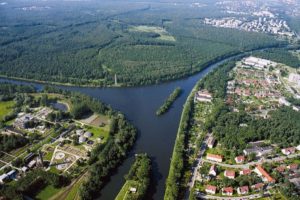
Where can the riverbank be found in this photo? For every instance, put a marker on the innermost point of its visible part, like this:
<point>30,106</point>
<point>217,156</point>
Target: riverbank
<point>196,69</point>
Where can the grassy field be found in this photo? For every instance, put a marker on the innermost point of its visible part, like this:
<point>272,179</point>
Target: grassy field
<point>99,132</point>
<point>124,192</point>
<point>164,35</point>
<point>47,192</point>
<point>6,108</point>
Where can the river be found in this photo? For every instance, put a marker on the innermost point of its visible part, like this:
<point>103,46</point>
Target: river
<point>156,134</point>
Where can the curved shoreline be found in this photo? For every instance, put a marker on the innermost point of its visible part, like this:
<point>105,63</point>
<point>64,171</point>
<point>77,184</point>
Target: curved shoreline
<point>198,70</point>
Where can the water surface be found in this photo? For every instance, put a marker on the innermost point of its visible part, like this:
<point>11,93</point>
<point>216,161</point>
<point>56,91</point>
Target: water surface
<point>156,134</point>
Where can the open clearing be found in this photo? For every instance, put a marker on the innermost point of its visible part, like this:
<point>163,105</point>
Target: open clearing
<point>95,120</point>
<point>164,35</point>
<point>5,108</point>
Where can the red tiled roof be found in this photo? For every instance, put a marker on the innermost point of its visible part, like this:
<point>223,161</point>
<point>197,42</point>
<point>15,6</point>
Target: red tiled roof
<point>229,173</point>
<point>293,166</point>
<point>240,158</point>
<point>211,187</point>
<point>227,190</point>
<point>280,168</point>
<point>265,174</point>
<point>214,156</point>
<point>258,186</point>
<point>246,171</point>
<point>244,189</point>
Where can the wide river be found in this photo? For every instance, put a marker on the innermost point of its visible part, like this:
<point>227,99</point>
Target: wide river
<point>156,134</point>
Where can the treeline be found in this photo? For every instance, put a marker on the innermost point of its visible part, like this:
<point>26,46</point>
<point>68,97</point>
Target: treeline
<point>280,56</point>
<point>140,173</point>
<point>10,142</point>
<point>169,101</point>
<point>173,183</point>
<point>31,184</point>
<point>105,159</point>
<point>218,88</point>
<point>8,91</point>
<point>82,104</point>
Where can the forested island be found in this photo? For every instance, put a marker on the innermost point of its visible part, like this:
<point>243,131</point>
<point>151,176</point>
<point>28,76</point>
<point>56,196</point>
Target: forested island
<point>169,102</point>
<point>137,180</point>
<point>56,143</point>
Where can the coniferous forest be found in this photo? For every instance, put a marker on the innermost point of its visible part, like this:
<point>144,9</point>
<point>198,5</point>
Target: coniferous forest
<point>91,44</point>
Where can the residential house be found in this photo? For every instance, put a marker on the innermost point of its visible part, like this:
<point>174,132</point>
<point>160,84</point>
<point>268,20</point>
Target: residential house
<point>293,166</point>
<point>239,159</point>
<point>228,191</point>
<point>265,176</point>
<point>243,190</point>
<point>229,174</point>
<point>211,189</point>
<point>214,157</point>
<point>245,172</point>
<point>258,186</point>
<point>281,168</point>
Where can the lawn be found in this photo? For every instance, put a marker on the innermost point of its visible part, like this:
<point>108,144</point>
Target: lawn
<point>98,131</point>
<point>124,192</point>
<point>5,108</point>
<point>47,192</point>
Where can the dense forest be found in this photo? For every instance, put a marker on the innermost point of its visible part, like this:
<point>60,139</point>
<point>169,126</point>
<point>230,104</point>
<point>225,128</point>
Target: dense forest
<point>281,128</point>
<point>280,56</point>
<point>89,46</point>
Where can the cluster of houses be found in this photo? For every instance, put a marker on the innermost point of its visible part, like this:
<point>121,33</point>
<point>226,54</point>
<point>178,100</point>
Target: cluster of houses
<point>243,190</point>
<point>252,77</point>
<point>258,148</point>
<point>229,191</point>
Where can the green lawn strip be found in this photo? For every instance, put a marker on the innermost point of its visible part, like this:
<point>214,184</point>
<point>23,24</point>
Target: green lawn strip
<point>124,192</point>
<point>47,192</point>
<point>98,132</point>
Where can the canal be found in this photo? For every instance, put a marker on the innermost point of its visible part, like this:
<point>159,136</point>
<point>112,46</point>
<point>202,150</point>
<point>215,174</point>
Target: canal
<point>156,134</point>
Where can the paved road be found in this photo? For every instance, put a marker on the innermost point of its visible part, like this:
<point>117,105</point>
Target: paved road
<point>247,165</point>
<point>198,165</point>
<point>227,165</point>
<point>204,196</point>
